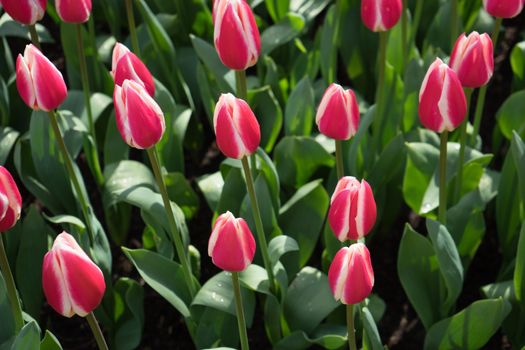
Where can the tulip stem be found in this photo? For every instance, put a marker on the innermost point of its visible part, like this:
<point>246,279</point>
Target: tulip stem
<point>483,90</point>
<point>10,285</point>
<point>176,236</point>
<point>339,159</point>
<point>404,34</point>
<point>97,332</point>
<point>442,214</point>
<point>453,23</point>
<point>240,311</point>
<point>462,145</point>
<point>351,328</point>
<point>34,35</point>
<point>242,93</point>
<point>72,174</point>
<point>132,28</point>
<point>381,64</point>
<point>258,223</point>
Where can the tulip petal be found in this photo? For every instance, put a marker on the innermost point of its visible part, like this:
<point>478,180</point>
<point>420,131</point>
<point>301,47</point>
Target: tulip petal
<point>247,242</point>
<point>131,67</point>
<point>503,8</point>
<point>228,140</point>
<point>54,285</point>
<point>227,253</point>
<point>25,11</point>
<point>339,215</point>
<point>121,116</point>
<point>360,279</point>
<point>429,98</point>
<point>50,89</point>
<point>247,126</point>
<point>73,11</point>
<point>24,83</point>
<point>338,272</point>
<point>229,40</point>
<point>366,210</point>
<point>4,205</point>
<point>10,191</point>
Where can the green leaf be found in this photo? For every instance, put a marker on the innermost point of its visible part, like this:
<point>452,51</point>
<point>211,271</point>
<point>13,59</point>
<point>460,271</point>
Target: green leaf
<point>510,115</point>
<point>371,338</point>
<point>519,270</point>
<point>299,113</point>
<point>281,245</point>
<point>128,313</point>
<point>518,154</point>
<point>326,336</point>
<point>269,113</point>
<point>8,138</point>
<point>281,32</point>
<point>125,175</point>
<point>7,331</point>
<point>181,192</point>
<point>517,62</point>
<point>211,187</point>
<point>115,149</point>
<point>10,27</point>
<point>328,46</point>
<point>277,8</point>
<point>50,342</point>
<point>309,9</point>
<point>28,338</point>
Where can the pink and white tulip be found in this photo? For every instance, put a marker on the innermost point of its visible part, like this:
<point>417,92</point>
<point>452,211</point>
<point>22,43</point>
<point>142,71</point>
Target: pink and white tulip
<point>25,11</point>
<point>39,83</point>
<point>10,201</point>
<point>231,245</point>
<point>237,130</point>
<point>442,102</point>
<point>352,213</point>
<point>503,8</point>
<point>338,113</point>
<point>73,11</point>
<point>473,59</point>
<point>236,35</point>
<point>126,65</point>
<point>381,15</point>
<point>351,276</point>
<point>140,120</point>
<point>72,283</point>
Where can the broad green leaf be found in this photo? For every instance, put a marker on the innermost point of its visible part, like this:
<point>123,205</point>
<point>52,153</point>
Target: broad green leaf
<point>50,342</point>
<point>269,113</point>
<point>11,28</point>
<point>128,313</point>
<point>325,336</point>
<point>519,270</point>
<point>281,33</point>
<point>329,46</point>
<point>371,338</point>
<point>8,138</point>
<point>215,329</point>
<point>75,103</point>
<point>518,154</point>
<point>309,9</point>
<point>517,62</point>
<point>7,331</point>
<point>211,187</point>
<point>281,245</point>
<point>233,193</point>
<point>181,192</point>
<point>510,115</point>
<point>277,8</point>
<point>389,164</point>
<point>126,175</point>
<point>115,149</point>
<point>28,338</point>
<point>299,113</point>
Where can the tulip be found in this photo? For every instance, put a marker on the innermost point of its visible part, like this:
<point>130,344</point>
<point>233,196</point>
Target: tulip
<point>72,283</point>
<point>352,213</point>
<point>381,15</point>
<point>10,201</point>
<point>126,65</point>
<point>25,11</point>
<point>442,102</point>
<point>351,276</point>
<point>237,130</point>
<point>472,59</point>
<point>503,8</point>
<point>139,118</point>
<point>236,35</point>
<point>231,244</point>
<point>39,82</point>
<point>73,11</point>
<point>338,113</point>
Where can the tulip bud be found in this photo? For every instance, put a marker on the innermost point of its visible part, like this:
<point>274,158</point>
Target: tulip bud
<point>503,8</point>
<point>236,35</point>
<point>139,118</point>
<point>352,213</point>
<point>126,65</point>
<point>381,15</point>
<point>25,11</point>
<point>442,102</point>
<point>472,59</point>
<point>72,283</point>
<point>338,113</point>
<point>237,130</point>
<point>73,11</point>
<point>231,244</point>
<point>10,201</point>
<point>351,276</point>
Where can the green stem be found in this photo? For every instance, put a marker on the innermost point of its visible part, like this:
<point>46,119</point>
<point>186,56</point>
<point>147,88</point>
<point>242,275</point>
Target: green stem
<point>381,64</point>
<point>336,38</point>
<point>351,328</point>
<point>93,44</point>
<point>483,90</point>
<point>339,159</point>
<point>453,23</point>
<point>11,288</point>
<point>240,81</point>
<point>443,178</point>
<point>415,23</point>
<point>404,34</point>
<point>177,239</point>
<point>132,28</point>
<point>34,36</point>
<point>97,332</point>
<point>462,146</point>
<point>240,311</point>
<point>258,223</point>
<point>72,174</point>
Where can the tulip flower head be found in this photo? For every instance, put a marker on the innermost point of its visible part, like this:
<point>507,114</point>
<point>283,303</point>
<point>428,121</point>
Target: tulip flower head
<point>351,276</point>
<point>237,130</point>
<point>338,113</point>
<point>352,213</point>
<point>72,283</point>
<point>472,59</point>
<point>442,102</point>
<point>73,11</point>
<point>236,35</point>
<point>381,15</point>
<point>503,8</point>
<point>126,65</point>
<point>140,120</point>
<point>39,83</point>
<point>10,201</point>
<point>27,12</point>
<point>231,245</point>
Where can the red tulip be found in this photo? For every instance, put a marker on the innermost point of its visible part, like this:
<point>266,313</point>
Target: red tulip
<point>231,244</point>
<point>472,59</point>
<point>25,11</point>
<point>10,201</point>
<point>126,65</point>
<point>352,213</point>
<point>503,8</point>
<point>139,118</point>
<point>338,113</point>
<point>442,102</point>
<point>351,276</point>
<point>73,11</point>
<point>236,35</point>
<point>39,82</point>
<point>381,15</point>
<point>237,130</point>
<point>72,283</point>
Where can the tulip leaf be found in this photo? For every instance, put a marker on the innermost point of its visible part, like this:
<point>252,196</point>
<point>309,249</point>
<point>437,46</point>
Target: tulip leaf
<point>326,336</point>
<point>371,338</point>
<point>215,327</point>
<point>299,113</point>
<point>10,27</point>
<point>281,245</point>
<point>28,338</point>
<point>233,193</point>
<point>510,115</point>
<point>517,62</point>
<point>129,313</point>
<point>75,103</point>
<point>269,113</point>
<point>277,8</point>
<point>211,187</point>
<point>181,192</point>
<point>309,9</point>
<point>7,331</point>
<point>519,270</point>
<point>50,342</point>
<point>329,45</point>
<point>282,32</point>
<point>518,154</point>
<point>8,138</point>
